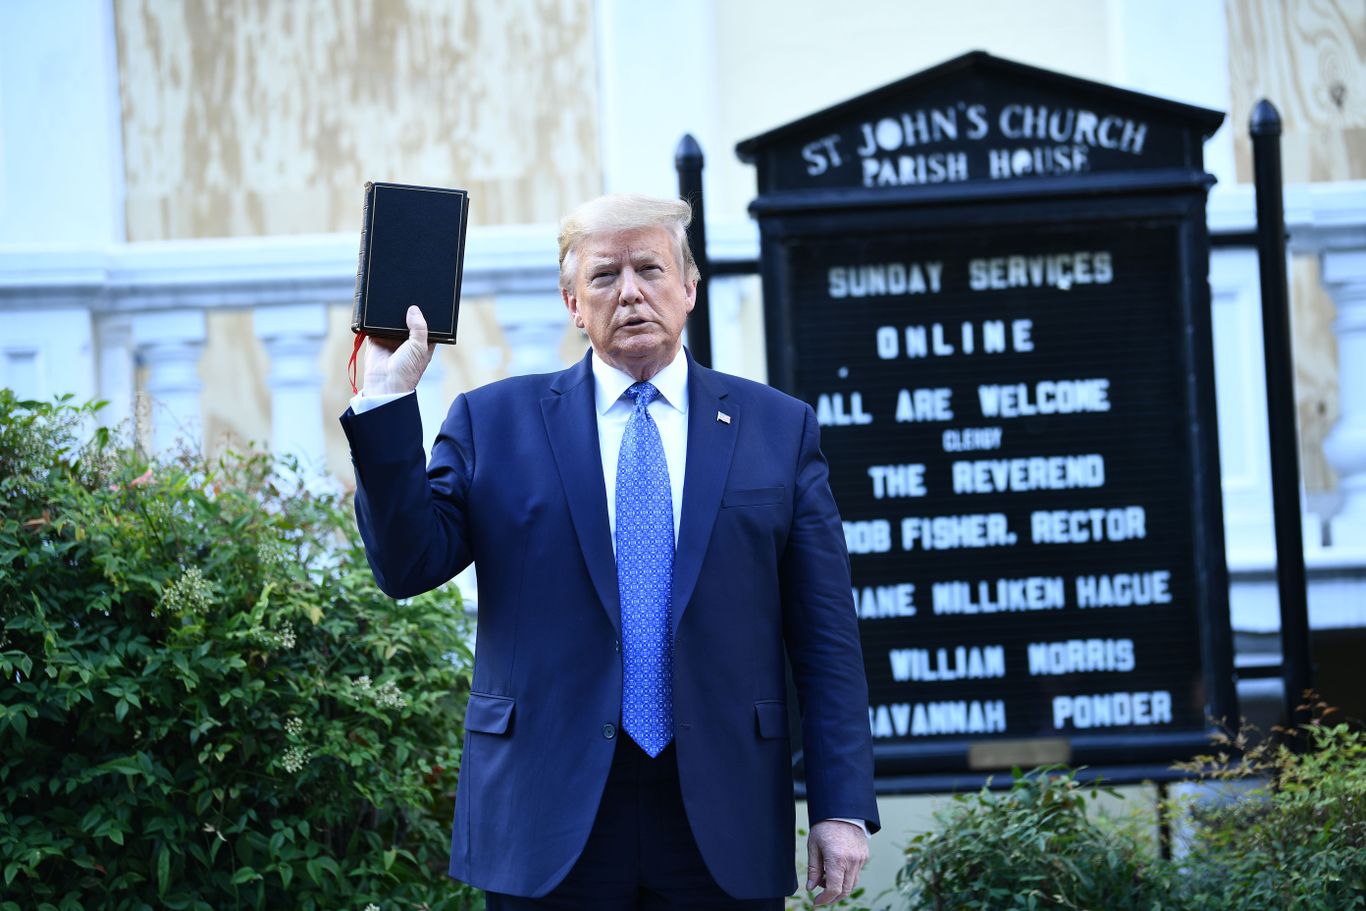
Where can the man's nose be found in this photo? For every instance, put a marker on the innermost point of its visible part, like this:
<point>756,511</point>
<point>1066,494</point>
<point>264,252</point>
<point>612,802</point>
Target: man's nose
<point>630,288</point>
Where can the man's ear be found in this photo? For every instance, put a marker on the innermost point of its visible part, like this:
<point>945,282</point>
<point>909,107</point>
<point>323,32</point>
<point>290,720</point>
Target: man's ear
<point>571,303</point>
<point>690,288</point>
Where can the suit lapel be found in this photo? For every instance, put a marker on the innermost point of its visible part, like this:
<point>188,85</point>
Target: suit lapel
<point>711,443</point>
<point>571,423</point>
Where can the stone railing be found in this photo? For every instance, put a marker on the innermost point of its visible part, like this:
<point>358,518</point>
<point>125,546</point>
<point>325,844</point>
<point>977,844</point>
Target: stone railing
<point>1327,221</point>
<point>144,308</point>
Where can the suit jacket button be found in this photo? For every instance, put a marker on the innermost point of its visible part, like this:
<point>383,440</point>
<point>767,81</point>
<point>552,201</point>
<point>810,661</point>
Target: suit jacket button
<point>609,730</point>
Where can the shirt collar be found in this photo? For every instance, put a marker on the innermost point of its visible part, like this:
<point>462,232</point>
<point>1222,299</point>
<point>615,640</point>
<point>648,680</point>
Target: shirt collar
<point>610,384</point>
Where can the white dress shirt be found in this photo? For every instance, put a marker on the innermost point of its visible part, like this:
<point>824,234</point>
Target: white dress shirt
<point>670,413</point>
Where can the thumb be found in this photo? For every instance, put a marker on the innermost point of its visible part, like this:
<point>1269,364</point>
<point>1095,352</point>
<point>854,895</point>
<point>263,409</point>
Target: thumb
<point>417,327</point>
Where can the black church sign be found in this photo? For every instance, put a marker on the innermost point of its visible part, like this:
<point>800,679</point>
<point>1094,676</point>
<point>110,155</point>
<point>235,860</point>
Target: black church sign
<point>990,281</point>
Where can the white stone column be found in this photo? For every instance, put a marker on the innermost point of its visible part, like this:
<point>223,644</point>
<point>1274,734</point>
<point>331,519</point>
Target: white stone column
<point>293,338</point>
<point>533,325</point>
<point>1344,275</point>
<point>114,368</point>
<point>169,344</point>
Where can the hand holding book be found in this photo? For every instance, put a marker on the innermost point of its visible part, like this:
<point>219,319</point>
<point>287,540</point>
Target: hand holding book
<point>412,253</point>
<point>395,365</point>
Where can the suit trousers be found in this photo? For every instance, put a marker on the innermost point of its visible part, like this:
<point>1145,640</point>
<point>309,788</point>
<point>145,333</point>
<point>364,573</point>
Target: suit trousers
<point>640,855</point>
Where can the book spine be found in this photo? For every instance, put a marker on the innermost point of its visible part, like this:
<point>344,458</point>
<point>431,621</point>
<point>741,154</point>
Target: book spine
<point>363,266</point>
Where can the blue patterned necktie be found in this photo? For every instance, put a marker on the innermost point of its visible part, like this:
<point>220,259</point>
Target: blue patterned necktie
<point>645,558</point>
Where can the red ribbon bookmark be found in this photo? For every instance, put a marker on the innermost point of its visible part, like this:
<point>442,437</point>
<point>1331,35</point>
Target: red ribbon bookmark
<point>351,365</point>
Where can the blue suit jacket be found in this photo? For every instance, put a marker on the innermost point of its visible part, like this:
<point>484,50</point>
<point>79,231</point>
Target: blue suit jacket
<point>515,484</point>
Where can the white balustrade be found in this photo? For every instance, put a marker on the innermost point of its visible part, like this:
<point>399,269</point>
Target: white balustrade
<point>1335,229</point>
<point>115,365</point>
<point>534,326</point>
<point>169,344</point>
<point>293,338</point>
<point>1344,275</point>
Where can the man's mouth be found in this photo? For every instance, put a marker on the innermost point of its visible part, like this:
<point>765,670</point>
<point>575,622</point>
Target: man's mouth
<point>633,322</point>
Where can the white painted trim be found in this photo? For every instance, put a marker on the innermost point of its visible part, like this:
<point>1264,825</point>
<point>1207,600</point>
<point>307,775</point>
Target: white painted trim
<point>248,271</point>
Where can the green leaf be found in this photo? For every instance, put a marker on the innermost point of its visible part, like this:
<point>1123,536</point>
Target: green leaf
<point>243,874</point>
<point>286,872</point>
<point>125,765</point>
<point>163,870</point>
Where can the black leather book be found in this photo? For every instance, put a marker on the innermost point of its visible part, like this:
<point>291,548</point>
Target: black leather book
<point>412,251</point>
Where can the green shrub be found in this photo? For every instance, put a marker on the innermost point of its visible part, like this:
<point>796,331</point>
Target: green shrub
<point>206,702</point>
<point>1294,841</point>
<point>1033,846</point>
<point>1297,842</point>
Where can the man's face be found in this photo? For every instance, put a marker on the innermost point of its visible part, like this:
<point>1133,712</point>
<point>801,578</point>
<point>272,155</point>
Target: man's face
<point>633,297</point>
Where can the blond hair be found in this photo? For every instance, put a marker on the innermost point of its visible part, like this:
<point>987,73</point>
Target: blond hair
<point>624,212</point>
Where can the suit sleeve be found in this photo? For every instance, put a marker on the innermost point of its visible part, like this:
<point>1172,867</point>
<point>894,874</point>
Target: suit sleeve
<point>414,523</point>
<point>822,637</point>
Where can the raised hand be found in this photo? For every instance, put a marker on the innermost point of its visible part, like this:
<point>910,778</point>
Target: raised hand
<point>393,366</point>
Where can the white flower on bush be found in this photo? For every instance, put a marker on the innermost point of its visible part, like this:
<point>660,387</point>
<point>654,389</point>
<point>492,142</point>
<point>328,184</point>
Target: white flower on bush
<point>390,697</point>
<point>294,759</point>
<point>372,907</point>
<point>271,554</point>
<point>294,726</point>
<point>189,594</point>
<point>284,638</point>
<point>387,695</point>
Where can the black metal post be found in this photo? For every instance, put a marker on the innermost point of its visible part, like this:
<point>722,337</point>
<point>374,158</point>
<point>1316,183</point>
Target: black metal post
<point>1164,821</point>
<point>688,161</point>
<point>1296,657</point>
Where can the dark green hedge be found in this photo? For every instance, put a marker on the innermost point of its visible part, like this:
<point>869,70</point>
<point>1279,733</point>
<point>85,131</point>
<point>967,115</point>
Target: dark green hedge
<point>205,702</point>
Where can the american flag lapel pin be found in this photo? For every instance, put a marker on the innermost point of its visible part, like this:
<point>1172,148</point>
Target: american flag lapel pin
<point>723,417</point>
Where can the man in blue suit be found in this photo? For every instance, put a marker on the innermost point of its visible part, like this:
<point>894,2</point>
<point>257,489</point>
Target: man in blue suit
<point>651,538</point>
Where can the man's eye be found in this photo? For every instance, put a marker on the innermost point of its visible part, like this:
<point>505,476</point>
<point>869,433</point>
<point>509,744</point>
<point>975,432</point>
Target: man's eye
<point>600,277</point>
